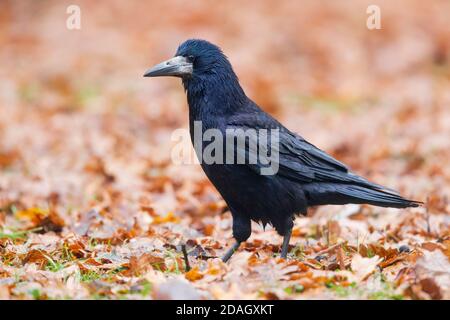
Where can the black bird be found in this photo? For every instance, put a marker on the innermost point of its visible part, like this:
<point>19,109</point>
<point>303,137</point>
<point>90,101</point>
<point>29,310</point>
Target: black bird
<point>306,175</point>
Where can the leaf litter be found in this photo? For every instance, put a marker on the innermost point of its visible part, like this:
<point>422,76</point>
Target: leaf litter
<point>92,207</point>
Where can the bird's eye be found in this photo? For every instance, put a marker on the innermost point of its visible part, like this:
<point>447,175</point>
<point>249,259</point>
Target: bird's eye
<point>190,58</point>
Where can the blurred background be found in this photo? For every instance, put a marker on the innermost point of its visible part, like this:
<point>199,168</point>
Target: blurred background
<point>85,145</point>
<point>80,124</point>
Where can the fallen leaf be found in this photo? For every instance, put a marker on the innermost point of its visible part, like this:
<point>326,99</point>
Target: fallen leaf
<point>36,256</point>
<point>435,266</point>
<point>140,265</point>
<point>362,267</point>
<point>431,246</point>
<point>431,287</point>
<point>170,217</point>
<point>194,274</point>
<point>34,214</point>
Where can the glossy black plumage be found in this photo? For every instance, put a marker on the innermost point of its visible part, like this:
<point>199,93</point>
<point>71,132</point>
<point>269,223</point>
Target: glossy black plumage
<point>307,176</point>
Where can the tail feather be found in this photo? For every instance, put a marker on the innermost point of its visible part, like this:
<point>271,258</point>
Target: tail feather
<point>320,194</point>
<point>378,197</point>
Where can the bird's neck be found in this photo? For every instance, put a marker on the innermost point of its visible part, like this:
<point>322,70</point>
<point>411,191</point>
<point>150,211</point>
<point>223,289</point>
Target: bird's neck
<point>214,95</point>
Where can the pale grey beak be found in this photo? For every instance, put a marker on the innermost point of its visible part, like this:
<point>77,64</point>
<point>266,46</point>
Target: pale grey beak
<point>177,67</point>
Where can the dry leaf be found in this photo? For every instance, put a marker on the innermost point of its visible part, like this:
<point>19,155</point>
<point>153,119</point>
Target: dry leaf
<point>363,267</point>
<point>194,274</point>
<point>140,265</point>
<point>434,269</point>
<point>170,217</point>
<point>75,158</point>
<point>35,215</point>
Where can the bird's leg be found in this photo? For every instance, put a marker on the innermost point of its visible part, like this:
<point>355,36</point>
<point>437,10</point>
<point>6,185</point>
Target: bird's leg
<point>241,232</point>
<point>286,238</point>
<point>230,251</point>
<point>285,246</point>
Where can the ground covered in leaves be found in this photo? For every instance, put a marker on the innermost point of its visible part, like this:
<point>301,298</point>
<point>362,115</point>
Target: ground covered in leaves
<point>92,207</point>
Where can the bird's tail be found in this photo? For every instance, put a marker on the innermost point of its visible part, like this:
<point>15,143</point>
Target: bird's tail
<point>348,193</point>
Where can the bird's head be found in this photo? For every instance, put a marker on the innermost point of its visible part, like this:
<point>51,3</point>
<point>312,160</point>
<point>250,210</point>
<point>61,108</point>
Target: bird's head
<point>204,70</point>
<point>193,59</point>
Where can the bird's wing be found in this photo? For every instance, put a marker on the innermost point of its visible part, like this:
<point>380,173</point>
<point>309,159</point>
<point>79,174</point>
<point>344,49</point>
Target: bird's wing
<point>298,159</point>
<point>329,181</point>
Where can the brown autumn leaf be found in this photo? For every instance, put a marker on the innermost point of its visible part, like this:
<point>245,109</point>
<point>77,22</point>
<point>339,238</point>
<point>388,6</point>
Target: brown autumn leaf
<point>123,234</point>
<point>297,232</point>
<point>52,222</point>
<point>96,165</point>
<point>208,230</point>
<point>7,158</point>
<point>36,256</point>
<point>430,286</point>
<point>91,261</point>
<point>194,274</point>
<point>433,269</point>
<point>168,218</point>
<point>4,292</point>
<point>77,248</point>
<point>447,248</point>
<point>340,257</point>
<point>33,214</point>
<point>431,246</point>
<point>363,267</point>
<point>333,231</point>
<point>437,203</point>
<point>140,265</point>
<point>76,147</point>
<point>392,260</point>
<point>377,249</point>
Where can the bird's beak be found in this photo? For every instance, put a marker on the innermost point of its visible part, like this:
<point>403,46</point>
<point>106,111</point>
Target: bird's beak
<point>177,67</point>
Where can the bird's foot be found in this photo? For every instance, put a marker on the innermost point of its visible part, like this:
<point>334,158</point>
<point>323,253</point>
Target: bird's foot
<point>230,251</point>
